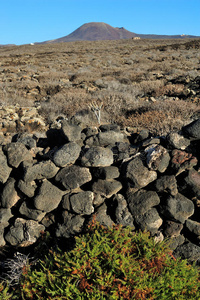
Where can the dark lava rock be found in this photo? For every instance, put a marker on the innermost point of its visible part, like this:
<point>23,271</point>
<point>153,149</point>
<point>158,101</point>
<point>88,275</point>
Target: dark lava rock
<point>172,229</point>
<point>48,198</point>
<point>9,196</point>
<point>193,226</point>
<point>72,177</point>
<point>5,170</point>
<point>188,251</point>
<point>110,172</point>
<point>142,201</point>
<point>177,141</point>
<point>106,188</point>
<point>71,132</point>
<point>167,183</point>
<point>110,138</point>
<point>122,213</point>
<point>137,173</point>
<point>27,188</point>
<point>192,182</point>
<point>5,216</point>
<point>40,170</point>
<point>97,157</point>
<point>150,221</point>
<point>102,216</point>
<point>29,140</point>
<point>16,153</point>
<point>31,213</point>
<point>82,203</point>
<point>72,225</point>
<point>24,233</point>
<point>193,129</point>
<point>67,154</point>
<point>177,208</point>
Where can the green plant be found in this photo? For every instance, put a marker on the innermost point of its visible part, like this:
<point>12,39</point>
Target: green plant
<point>111,263</point>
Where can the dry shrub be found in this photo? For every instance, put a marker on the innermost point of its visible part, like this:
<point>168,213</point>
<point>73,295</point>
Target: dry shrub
<point>170,90</point>
<point>66,103</point>
<point>163,116</point>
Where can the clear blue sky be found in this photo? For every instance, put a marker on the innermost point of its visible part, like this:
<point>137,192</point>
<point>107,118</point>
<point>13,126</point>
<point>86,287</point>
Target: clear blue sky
<point>27,21</point>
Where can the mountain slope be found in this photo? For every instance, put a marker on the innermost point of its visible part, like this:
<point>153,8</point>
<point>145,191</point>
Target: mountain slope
<point>95,31</point>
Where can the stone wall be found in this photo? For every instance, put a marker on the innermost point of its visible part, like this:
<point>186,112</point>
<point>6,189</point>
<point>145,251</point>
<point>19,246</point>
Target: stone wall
<point>58,182</point>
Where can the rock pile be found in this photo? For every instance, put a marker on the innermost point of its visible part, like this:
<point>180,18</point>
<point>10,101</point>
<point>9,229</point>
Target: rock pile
<point>58,182</point>
<point>15,118</point>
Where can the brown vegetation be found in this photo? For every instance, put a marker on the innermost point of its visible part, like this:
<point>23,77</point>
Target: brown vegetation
<point>142,83</point>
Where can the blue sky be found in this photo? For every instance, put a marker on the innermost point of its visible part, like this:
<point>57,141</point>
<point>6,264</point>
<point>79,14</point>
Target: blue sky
<point>28,21</point>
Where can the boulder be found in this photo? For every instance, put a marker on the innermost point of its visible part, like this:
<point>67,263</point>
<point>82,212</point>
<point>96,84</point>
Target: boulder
<point>72,133</point>
<point>92,141</point>
<point>97,157</point>
<point>48,198</point>
<point>40,170</point>
<point>177,141</point>
<point>106,188</point>
<point>192,130</point>
<point>72,225</point>
<point>16,153</point>
<point>143,135</point>
<point>142,201</point>
<point>122,151</point>
<point>90,131</point>
<point>29,140</point>
<point>110,172</point>
<point>193,226</point>
<point>109,127</point>
<point>9,196</point>
<point>122,213</point>
<point>31,213</point>
<point>73,177</point>
<point>168,184</point>
<point>188,251</point>
<point>178,208</point>
<point>110,138</point>
<point>102,216</point>
<point>150,221</point>
<point>5,170</point>
<point>157,158</point>
<point>81,203</point>
<point>27,188</point>
<point>67,154</point>
<point>151,141</point>
<point>98,200</point>
<point>136,172</point>
<point>5,216</point>
<point>174,242</point>
<point>2,240</point>
<point>192,182</point>
<point>172,229</point>
<point>24,232</point>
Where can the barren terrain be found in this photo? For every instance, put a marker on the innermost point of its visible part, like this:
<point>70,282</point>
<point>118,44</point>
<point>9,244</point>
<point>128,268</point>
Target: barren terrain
<point>145,83</point>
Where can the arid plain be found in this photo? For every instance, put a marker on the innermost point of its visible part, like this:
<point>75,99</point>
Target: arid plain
<point>144,83</point>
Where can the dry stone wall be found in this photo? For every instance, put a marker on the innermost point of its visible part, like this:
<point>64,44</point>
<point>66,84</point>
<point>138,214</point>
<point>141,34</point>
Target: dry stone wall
<point>58,182</point>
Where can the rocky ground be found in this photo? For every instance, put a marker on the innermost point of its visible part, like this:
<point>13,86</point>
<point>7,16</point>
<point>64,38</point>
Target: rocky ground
<point>150,84</point>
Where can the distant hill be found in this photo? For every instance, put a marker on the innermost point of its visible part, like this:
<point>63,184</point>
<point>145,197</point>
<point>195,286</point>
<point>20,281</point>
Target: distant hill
<point>7,45</point>
<point>96,31</point>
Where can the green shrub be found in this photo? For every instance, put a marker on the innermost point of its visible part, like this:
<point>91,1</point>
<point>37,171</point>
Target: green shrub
<point>110,263</point>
